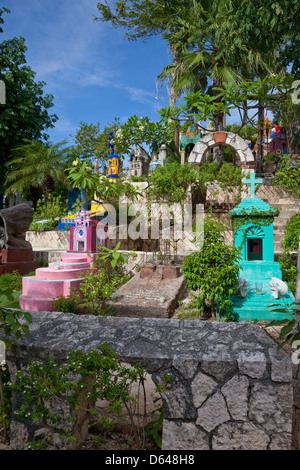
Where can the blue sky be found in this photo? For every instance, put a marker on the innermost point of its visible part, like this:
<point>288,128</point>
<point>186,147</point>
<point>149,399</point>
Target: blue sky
<point>93,74</point>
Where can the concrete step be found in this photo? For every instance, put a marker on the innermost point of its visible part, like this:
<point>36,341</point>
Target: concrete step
<point>39,288</point>
<point>60,274</point>
<point>36,304</point>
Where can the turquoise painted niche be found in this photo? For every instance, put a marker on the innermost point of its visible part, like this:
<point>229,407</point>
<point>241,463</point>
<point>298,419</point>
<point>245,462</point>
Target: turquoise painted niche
<point>253,221</point>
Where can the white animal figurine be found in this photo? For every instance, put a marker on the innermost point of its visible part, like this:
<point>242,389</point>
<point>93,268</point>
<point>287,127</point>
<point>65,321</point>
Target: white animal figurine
<point>278,288</point>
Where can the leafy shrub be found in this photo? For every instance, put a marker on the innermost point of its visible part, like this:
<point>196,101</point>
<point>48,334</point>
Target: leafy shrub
<point>101,281</point>
<point>13,328</point>
<point>138,179</point>
<point>288,260</point>
<point>12,281</point>
<point>292,233</point>
<point>213,271</point>
<point>288,176</point>
<point>272,157</point>
<point>65,304</point>
<point>288,264</point>
<point>171,183</point>
<point>99,375</point>
<point>98,285</point>
<point>51,211</point>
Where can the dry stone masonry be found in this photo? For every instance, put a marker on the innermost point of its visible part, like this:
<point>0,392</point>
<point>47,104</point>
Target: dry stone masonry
<point>227,138</point>
<point>230,389</point>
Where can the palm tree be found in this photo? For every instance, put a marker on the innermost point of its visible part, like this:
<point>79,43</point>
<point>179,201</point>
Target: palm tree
<point>212,49</point>
<point>38,165</point>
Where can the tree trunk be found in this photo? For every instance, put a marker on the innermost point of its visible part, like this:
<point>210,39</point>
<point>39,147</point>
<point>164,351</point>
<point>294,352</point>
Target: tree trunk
<point>260,139</point>
<point>48,186</point>
<point>245,113</point>
<point>219,126</point>
<point>173,94</point>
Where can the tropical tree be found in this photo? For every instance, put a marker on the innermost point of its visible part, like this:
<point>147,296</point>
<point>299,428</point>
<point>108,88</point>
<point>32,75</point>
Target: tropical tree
<point>38,164</point>
<point>25,114</point>
<point>143,133</point>
<point>92,142</point>
<point>213,49</point>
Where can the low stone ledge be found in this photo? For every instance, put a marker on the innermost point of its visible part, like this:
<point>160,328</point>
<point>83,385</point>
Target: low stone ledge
<point>226,388</point>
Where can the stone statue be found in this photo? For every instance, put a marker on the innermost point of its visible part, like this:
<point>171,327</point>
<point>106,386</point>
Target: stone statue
<point>278,288</point>
<point>14,223</point>
<point>243,287</point>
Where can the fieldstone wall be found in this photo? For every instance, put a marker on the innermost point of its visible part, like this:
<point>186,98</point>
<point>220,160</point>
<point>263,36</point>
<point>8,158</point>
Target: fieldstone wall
<point>230,389</point>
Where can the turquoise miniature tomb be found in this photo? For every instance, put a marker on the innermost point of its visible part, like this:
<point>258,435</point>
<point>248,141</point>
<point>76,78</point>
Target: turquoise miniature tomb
<point>261,282</point>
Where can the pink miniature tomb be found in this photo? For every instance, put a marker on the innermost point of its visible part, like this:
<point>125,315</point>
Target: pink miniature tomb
<point>61,277</point>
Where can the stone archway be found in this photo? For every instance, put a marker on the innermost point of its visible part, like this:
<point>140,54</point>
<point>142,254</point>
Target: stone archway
<point>229,139</point>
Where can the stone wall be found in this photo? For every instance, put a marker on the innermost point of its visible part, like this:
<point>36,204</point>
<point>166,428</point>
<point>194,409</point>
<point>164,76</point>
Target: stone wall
<point>230,389</point>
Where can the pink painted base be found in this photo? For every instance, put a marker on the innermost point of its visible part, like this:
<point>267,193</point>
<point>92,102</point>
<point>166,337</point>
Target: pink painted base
<point>39,291</point>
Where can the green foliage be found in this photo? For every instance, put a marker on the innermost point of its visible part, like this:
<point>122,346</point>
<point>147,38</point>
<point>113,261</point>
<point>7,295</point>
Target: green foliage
<point>289,116</point>
<point>171,183</point>
<point>91,142</point>
<point>100,189</point>
<point>292,233</point>
<point>5,402</point>
<point>248,132</point>
<point>288,176</point>
<point>271,157</point>
<point>51,211</point>
<point>290,332</point>
<point>288,264</point>
<point>288,260</point>
<point>11,281</point>
<point>26,112</point>
<point>98,284</point>
<point>228,177</point>
<point>38,165</point>
<point>138,179</point>
<point>12,325</point>
<point>98,374</point>
<point>144,133</point>
<point>213,272</point>
<point>270,90</point>
<point>65,304</point>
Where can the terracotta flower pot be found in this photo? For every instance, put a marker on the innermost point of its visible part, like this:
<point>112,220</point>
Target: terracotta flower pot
<point>220,137</point>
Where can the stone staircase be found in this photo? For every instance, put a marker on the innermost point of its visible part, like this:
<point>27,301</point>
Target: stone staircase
<point>281,199</point>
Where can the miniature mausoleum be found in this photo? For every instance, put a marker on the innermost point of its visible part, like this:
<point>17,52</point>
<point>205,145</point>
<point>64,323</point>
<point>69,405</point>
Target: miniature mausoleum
<point>260,280</point>
<point>87,234</point>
